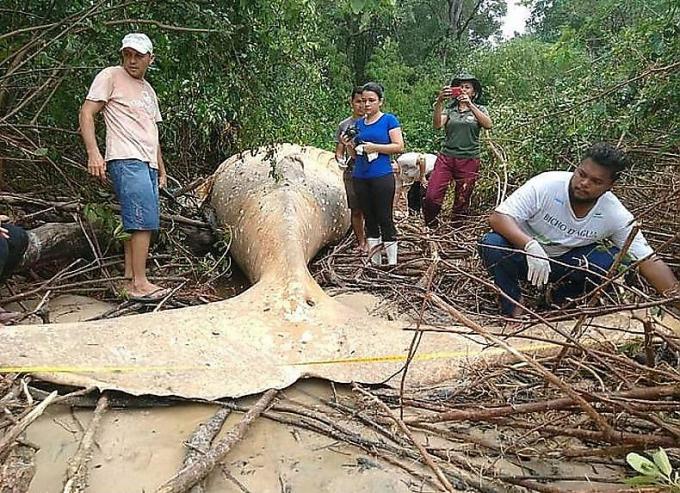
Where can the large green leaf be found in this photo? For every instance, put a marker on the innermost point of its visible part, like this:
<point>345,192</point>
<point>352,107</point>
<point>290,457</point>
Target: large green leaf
<point>662,462</point>
<point>357,6</point>
<point>642,464</point>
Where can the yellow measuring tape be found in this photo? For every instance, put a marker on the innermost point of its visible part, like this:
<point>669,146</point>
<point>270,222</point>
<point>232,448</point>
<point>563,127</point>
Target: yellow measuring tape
<point>338,361</point>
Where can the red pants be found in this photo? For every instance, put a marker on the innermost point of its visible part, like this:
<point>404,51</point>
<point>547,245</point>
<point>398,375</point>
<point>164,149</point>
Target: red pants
<point>464,171</point>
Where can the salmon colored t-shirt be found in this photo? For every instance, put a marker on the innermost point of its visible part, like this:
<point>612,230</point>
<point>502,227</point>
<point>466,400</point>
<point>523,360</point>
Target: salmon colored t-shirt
<point>130,113</point>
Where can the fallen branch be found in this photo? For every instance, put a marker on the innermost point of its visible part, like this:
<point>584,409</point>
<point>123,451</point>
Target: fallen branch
<point>76,474</point>
<point>200,440</point>
<point>549,376</point>
<point>478,414</point>
<point>10,437</point>
<point>194,473</point>
<point>400,423</point>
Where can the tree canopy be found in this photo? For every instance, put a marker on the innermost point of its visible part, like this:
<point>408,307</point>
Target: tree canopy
<point>232,75</point>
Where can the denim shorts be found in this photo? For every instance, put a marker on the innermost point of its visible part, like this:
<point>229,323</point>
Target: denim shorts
<point>136,186</point>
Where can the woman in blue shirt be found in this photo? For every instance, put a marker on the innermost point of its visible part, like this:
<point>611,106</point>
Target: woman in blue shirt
<point>379,137</point>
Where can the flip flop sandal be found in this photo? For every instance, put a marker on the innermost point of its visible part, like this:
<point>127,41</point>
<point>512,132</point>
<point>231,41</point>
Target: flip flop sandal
<point>152,297</point>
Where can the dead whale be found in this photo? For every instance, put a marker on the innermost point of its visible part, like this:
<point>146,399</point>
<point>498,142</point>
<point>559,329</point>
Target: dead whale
<point>283,204</point>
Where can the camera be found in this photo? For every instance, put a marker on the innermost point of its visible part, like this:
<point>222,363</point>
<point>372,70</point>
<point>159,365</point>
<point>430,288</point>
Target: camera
<point>352,133</point>
<point>456,91</point>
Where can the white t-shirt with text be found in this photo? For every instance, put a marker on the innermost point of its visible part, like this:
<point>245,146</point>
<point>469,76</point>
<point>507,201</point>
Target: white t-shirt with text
<point>542,209</point>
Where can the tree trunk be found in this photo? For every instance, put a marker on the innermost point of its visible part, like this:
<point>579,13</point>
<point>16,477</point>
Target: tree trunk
<point>53,241</point>
<point>455,12</point>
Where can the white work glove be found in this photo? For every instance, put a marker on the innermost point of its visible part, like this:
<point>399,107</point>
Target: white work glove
<point>538,264</point>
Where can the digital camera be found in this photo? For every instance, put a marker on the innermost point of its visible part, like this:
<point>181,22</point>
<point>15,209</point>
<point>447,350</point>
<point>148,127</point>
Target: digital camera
<point>352,133</point>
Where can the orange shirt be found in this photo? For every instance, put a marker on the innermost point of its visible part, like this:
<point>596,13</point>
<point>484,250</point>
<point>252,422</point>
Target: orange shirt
<point>131,115</point>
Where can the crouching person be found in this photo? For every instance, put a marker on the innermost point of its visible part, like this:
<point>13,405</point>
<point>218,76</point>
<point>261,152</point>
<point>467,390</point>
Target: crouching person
<point>559,221</point>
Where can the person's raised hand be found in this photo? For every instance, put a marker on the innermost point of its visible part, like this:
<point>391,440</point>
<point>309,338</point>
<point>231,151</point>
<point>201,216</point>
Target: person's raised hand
<point>96,166</point>
<point>464,98</point>
<point>537,263</point>
<point>444,94</point>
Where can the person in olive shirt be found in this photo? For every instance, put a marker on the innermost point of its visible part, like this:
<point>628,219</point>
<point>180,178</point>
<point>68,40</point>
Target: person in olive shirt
<point>459,157</point>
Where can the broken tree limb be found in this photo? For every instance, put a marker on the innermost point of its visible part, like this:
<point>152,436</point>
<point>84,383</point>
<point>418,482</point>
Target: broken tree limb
<point>74,206</point>
<point>447,486</point>
<point>549,376</point>
<point>10,437</point>
<point>480,414</point>
<point>54,241</point>
<point>194,473</point>
<point>472,479</point>
<point>76,474</point>
<point>200,440</point>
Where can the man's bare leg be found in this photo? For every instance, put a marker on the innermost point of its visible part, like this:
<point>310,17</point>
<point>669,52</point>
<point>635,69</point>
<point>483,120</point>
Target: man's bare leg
<point>128,260</point>
<point>358,228</point>
<point>139,251</point>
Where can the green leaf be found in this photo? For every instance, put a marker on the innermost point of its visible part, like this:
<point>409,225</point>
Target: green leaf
<point>662,462</point>
<point>642,464</point>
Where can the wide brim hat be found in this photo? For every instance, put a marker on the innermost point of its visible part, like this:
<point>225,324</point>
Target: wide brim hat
<point>468,77</point>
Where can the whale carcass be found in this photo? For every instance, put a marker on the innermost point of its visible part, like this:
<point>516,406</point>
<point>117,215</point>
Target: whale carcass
<point>283,204</point>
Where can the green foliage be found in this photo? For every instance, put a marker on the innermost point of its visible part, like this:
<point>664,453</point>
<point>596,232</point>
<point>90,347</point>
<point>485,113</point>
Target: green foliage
<point>105,219</point>
<point>656,472</point>
<point>239,74</point>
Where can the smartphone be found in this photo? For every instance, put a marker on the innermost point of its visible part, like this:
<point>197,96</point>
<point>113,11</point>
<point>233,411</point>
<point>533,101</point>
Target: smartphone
<point>456,91</point>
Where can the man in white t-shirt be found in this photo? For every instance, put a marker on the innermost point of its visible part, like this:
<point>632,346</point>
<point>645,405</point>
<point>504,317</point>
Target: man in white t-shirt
<point>133,160</point>
<point>559,218</point>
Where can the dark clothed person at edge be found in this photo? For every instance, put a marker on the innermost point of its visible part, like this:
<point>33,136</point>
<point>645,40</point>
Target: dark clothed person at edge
<point>13,244</point>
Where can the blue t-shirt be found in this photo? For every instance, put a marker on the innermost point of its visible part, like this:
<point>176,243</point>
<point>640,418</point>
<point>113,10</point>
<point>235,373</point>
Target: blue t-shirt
<point>377,132</point>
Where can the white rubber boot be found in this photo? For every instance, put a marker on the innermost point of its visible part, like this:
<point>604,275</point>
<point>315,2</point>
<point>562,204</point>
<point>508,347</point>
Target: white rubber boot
<point>376,258</point>
<point>391,249</point>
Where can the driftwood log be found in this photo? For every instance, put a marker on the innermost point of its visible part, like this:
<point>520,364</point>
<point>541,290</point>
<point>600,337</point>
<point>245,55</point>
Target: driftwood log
<point>196,472</point>
<point>55,241</point>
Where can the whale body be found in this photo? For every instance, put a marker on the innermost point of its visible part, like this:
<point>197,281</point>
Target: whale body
<point>283,204</point>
